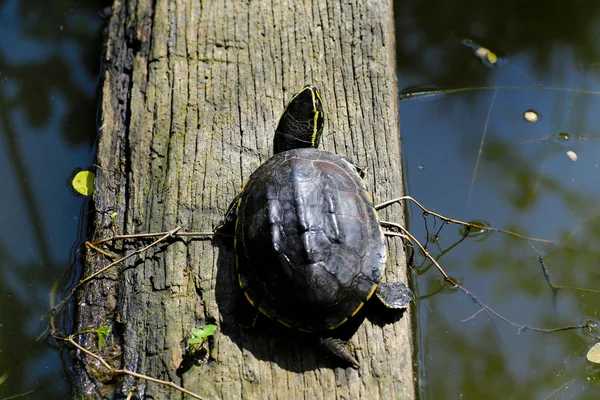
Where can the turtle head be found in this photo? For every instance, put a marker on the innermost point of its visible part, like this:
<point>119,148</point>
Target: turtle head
<point>301,124</point>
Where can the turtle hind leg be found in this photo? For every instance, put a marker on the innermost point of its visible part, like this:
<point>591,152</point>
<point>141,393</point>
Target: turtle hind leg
<point>341,349</point>
<point>359,169</point>
<point>394,295</point>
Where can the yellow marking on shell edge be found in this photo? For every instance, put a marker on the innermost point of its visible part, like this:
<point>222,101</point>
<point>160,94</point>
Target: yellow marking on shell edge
<point>371,292</point>
<point>335,326</point>
<point>239,276</point>
<point>284,323</point>
<point>358,309</point>
<point>248,298</point>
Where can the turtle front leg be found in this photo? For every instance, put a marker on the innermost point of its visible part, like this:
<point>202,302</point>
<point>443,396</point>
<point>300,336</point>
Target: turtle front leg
<point>227,226</point>
<point>394,295</point>
<point>359,169</point>
<point>341,349</point>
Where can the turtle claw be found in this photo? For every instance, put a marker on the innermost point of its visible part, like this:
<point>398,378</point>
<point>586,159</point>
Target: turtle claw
<point>341,349</point>
<point>227,225</point>
<point>394,294</point>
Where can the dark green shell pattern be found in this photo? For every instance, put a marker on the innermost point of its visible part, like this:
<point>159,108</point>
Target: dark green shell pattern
<point>309,248</point>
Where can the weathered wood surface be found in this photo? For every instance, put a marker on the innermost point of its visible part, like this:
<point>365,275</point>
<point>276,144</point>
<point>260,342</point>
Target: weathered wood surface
<point>191,95</point>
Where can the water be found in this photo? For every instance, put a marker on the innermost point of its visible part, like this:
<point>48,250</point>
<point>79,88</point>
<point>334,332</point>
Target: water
<point>49,63</point>
<point>469,154</point>
<point>473,154</point>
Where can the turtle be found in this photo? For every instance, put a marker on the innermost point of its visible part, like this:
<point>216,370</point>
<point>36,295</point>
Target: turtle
<point>309,248</point>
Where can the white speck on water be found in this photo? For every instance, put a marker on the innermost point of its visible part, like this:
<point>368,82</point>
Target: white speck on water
<point>530,116</point>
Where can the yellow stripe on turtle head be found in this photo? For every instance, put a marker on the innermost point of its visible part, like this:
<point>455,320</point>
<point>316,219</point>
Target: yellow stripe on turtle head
<point>315,95</point>
<point>315,129</point>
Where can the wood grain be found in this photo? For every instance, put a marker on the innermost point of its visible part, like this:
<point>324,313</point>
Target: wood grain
<point>191,95</point>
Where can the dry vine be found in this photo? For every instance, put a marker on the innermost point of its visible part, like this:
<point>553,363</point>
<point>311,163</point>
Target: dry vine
<point>403,233</point>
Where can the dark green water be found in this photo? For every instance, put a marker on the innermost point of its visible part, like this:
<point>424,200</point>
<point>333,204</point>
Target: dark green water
<point>49,55</point>
<point>471,155</point>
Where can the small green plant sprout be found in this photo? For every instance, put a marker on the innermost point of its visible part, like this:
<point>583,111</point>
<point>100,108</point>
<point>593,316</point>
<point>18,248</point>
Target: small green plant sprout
<point>198,350</point>
<point>201,335</point>
<point>102,332</point>
<point>83,182</point>
<point>113,215</point>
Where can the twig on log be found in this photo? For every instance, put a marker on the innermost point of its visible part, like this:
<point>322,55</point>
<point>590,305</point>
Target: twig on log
<point>112,264</point>
<point>125,371</point>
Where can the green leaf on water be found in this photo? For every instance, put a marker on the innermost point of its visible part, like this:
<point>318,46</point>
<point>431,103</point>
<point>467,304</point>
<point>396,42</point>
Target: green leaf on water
<point>491,57</point>
<point>3,378</point>
<point>83,182</point>
<point>593,354</point>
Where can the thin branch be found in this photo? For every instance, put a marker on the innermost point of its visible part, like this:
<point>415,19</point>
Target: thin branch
<point>125,371</point>
<point>563,386</point>
<point>395,234</point>
<point>480,152</point>
<point>491,312</point>
<point>16,396</point>
<point>458,222</point>
<point>99,250</point>
<point>112,264</point>
<point>150,235</point>
<point>473,316</point>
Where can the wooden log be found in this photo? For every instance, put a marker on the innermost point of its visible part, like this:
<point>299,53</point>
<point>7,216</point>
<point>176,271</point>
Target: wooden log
<point>191,95</point>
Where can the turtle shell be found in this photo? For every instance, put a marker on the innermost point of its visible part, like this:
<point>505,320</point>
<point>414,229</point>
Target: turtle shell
<point>309,248</point>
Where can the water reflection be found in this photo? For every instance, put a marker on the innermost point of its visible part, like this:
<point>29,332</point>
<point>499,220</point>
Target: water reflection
<point>484,160</point>
<point>49,53</point>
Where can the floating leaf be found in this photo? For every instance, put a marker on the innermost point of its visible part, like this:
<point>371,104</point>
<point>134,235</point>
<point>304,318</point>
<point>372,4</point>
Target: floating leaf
<point>487,56</point>
<point>482,52</point>
<point>83,182</point>
<point>564,136</point>
<point>593,354</point>
<point>491,57</point>
<point>572,155</point>
<point>531,116</point>
<point>3,378</point>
